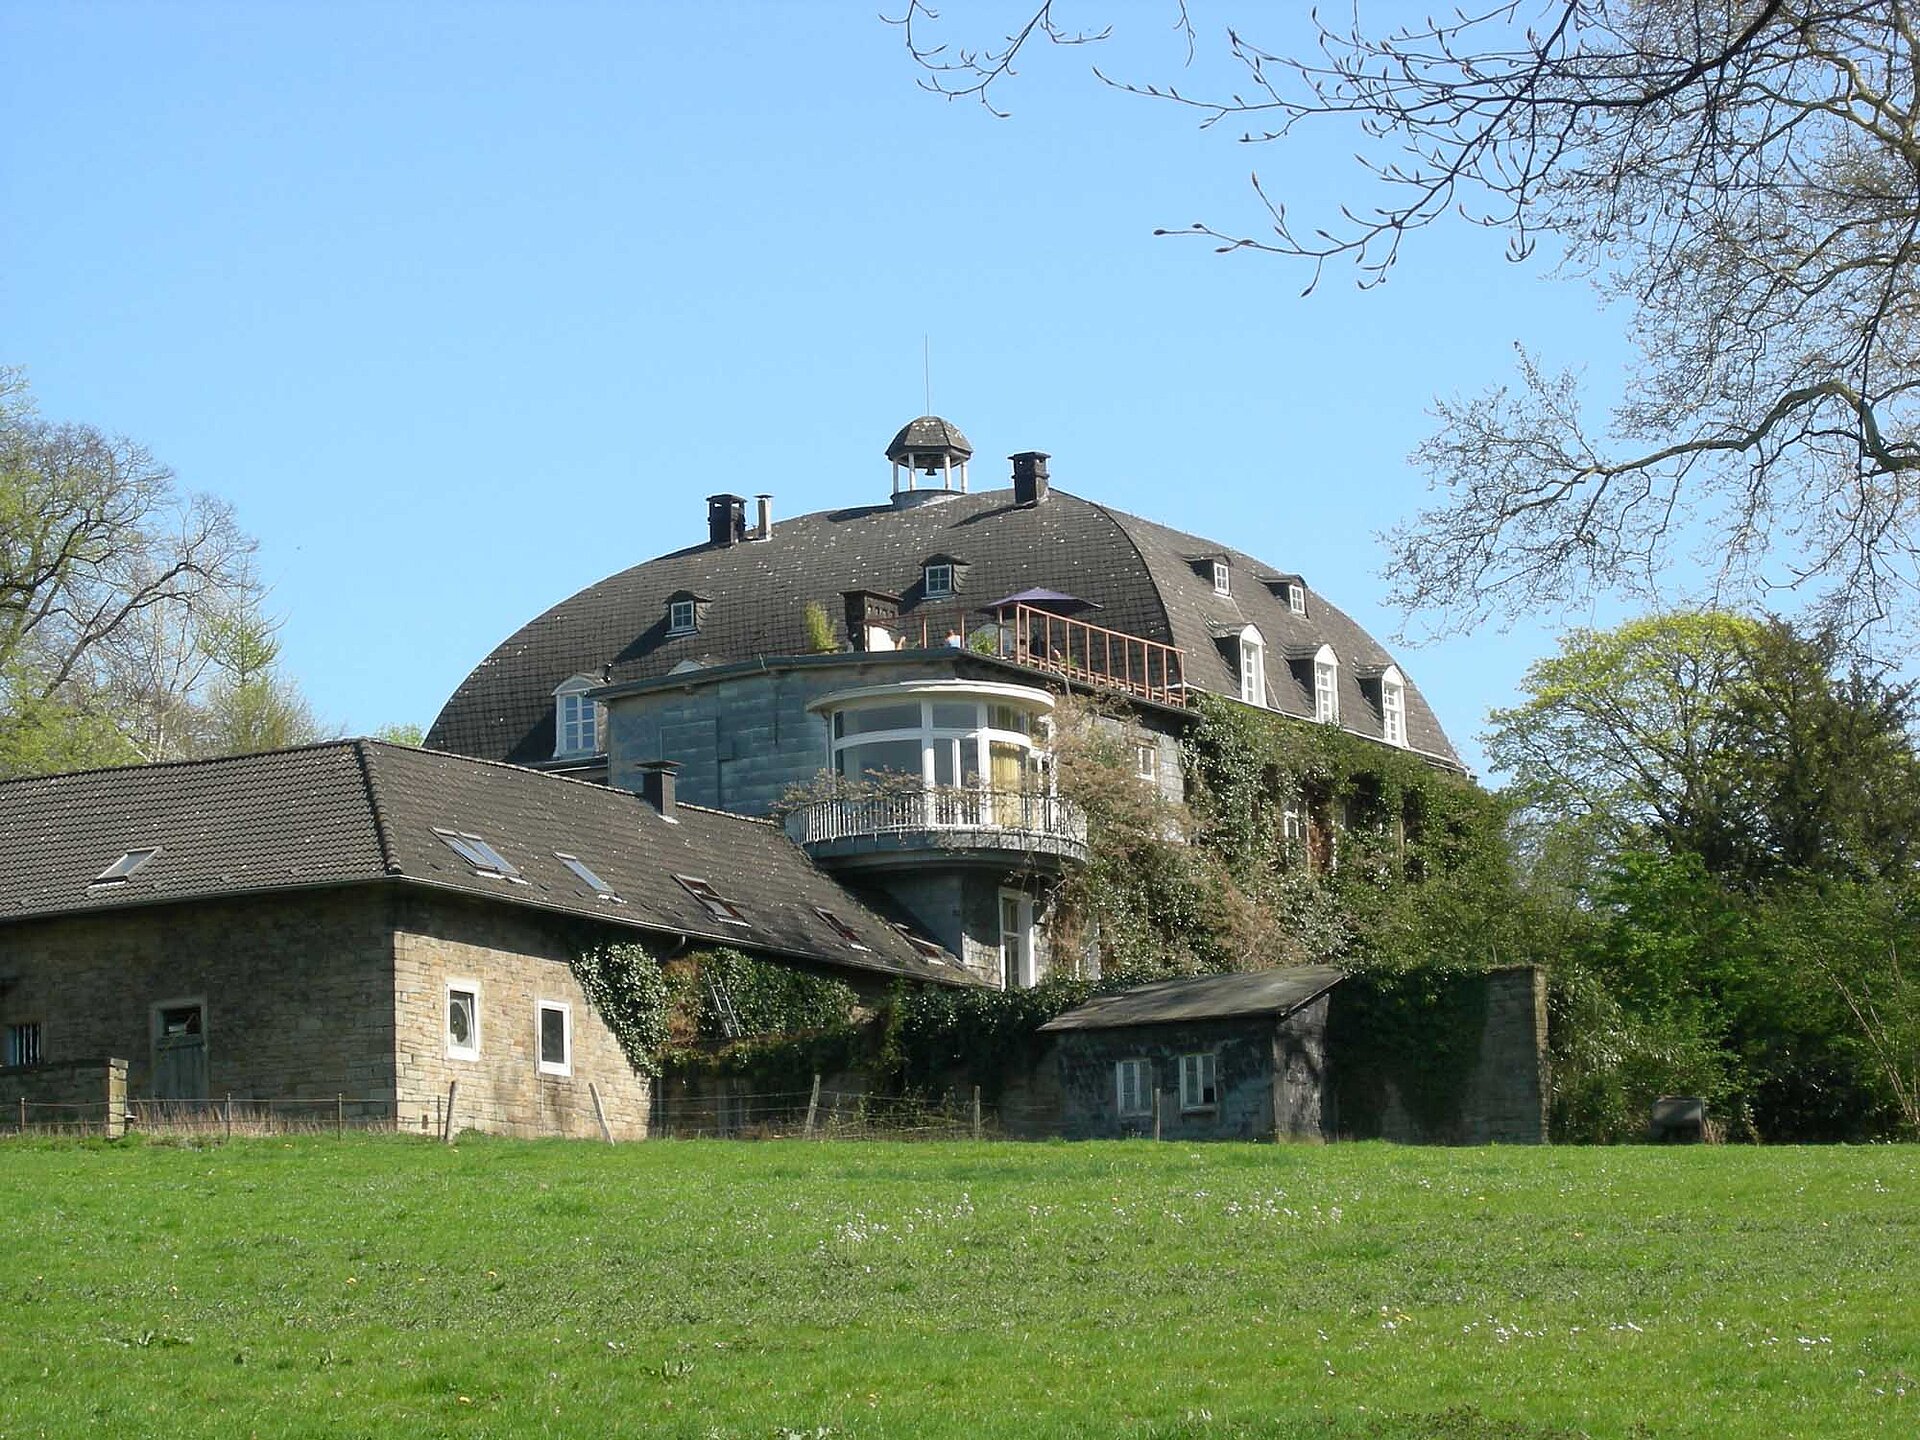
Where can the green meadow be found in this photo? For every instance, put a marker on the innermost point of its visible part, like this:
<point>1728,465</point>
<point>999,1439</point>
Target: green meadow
<point>379,1286</point>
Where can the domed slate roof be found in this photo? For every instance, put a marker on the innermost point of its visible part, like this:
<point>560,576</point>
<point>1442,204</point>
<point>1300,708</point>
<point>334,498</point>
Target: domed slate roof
<point>928,433</point>
<point>1147,580</point>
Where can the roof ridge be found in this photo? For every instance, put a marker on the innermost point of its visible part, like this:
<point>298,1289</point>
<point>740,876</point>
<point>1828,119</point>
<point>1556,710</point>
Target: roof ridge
<point>388,862</point>
<point>143,766</point>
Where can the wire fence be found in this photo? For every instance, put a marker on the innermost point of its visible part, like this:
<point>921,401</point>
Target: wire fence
<point>223,1118</point>
<point>821,1114</point>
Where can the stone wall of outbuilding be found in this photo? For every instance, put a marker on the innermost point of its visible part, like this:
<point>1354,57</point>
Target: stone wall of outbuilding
<point>89,1095</point>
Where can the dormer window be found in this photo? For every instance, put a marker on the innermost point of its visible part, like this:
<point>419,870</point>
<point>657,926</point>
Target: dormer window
<point>579,724</point>
<point>1222,578</point>
<point>1393,707</point>
<point>938,581</point>
<point>1296,597</point>
<point>1253,668</point>
<point>1326,686</point>
<point>682,617</point>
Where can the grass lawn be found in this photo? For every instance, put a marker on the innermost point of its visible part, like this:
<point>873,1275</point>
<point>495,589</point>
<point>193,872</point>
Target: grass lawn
<point>381,1287</point>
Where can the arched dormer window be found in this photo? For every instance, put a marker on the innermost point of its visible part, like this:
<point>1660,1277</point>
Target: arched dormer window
<point>1326,686</point>
<point>1253,667</point>
<point>579,724</point>
<point>1393,706</point>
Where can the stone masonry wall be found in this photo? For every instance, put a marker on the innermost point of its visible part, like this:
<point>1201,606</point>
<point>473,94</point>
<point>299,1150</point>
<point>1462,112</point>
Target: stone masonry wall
<point>1243,1070</point>
<point>91,1093</point>
<point>296,987</point>
<point>516,958</point>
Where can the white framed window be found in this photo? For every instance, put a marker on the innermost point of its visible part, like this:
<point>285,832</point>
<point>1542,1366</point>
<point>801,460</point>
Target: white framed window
<point>1326,686</point>
<point>1297,598</point>
<point>942,740</point>
<point>1146,761</point>
<point>1199,1087</point>
<point>1393,707</point>
<point>1293,825</point>
<point>22,1044</point>
<point>463,1019</point>
<point>1222,578</point>
<point>579,724</point>
<point>682,617</point>
<point>553,1037</point>
<point>1253,668</point>
<point>1133,1087</point>
<point>938,580</point>
<point>1016,941</point>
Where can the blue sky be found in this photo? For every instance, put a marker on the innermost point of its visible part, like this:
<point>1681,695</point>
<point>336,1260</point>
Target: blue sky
<point>465,307</point>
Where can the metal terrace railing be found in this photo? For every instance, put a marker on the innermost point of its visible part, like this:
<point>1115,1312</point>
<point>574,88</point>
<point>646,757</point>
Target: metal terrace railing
<point>1072,649</point>
<point>1019,812</point>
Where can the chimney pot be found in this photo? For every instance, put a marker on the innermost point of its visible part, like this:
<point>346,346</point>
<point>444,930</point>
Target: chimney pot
<point>763,520</point>
<point>726,519</point>
<point>657,784</point>
<point>1029,477</point>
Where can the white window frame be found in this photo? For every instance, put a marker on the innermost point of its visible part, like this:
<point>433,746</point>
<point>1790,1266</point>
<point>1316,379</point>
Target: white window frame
<point>565,1064</point>
<point>970,747</point>
<point>1199,1073</point>
<point>936,580</point>
<point>1222,578</point>
<point>1253,668</point>
<point>1297,598</point>
<point>456,1051</point>
<point>1326,686</point>
<point>1393,707</point>
<point>1025,972</point>
<point>1146,760</point>
<point>579,724</point>
<point>1140,1071</point>
<point>1293,824</point>
<point>676,609</point>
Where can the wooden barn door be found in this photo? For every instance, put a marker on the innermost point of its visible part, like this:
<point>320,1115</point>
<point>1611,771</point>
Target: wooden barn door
<point>180,1051</point>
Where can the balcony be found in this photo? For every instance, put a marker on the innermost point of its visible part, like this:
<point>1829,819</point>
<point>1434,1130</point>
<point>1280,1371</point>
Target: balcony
<point>1004,827</point>
<point>1039,639</point>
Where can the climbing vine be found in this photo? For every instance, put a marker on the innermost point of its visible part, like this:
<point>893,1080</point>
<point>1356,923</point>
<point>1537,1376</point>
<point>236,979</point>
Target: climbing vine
<point>627,990</point>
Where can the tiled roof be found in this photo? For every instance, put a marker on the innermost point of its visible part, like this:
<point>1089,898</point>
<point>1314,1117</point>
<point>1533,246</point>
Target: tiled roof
<point>360,811</point>
<point>1202,997</point>
<point>1139,573</point>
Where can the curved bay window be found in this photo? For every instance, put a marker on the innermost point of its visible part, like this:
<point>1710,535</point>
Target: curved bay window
<point>942,736</point>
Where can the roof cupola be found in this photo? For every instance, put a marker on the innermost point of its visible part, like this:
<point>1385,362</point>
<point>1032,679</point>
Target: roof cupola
<point>933,448</point>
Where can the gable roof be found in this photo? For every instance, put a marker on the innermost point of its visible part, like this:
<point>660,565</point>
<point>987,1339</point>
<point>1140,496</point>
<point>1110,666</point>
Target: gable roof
<point>1203,997</point>
<point>1137,574</point>
<point>363,811</point>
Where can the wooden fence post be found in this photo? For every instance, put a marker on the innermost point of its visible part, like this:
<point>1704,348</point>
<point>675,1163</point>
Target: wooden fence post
<point>23,1114</point>
<point>976,1112</point>
<point>599,1112</point>
<point>813,1106</point>
<point>339,1114</point>
<point>1156,1112</point>
<point>226,1115</point>
<point>446,1124</point>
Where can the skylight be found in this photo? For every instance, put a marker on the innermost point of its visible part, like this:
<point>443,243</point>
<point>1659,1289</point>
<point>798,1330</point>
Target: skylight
<point>717,905</point>
<point>117,872</point>
<point>484,859</point>
<point>840,927</point>
<point>580,868</point>
<point>925,947</point>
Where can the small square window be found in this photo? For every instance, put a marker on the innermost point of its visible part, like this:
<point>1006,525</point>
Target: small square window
<point>1133,1087</point>
<point>1198,1088</point>
<point>1146,761</point>
<point>1222,578</point>
<point>717,905</point>
<point>1297,599</point>
<point>939,580</point>
<point>555,1037</point>
<point>23,1044</point>
<point>681,617</point>
<point>463,1020</point>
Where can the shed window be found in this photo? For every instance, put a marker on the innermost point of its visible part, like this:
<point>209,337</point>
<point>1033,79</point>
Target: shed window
<point>939,580</point>
<point>1198,1088</point>
<point>463,1020</point>
<point>23,1044</point>
<point>717,905</point>
<point>681,617</point>
<point>117,872</point>
<point>1133,1087</point>
<point>1222,578</point>
<point>555,1037</point>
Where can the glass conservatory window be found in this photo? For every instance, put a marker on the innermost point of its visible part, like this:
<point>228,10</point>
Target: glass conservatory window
<point>941,742</point>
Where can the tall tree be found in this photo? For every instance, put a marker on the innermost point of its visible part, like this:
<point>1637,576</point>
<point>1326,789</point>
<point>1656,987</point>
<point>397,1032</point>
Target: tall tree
<point>1744,174</point>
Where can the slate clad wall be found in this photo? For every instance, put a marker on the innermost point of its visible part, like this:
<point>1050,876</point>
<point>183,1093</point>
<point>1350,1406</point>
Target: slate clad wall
<point>1244,1069</point>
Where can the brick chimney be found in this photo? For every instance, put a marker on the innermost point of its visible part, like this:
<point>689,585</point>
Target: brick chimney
<point>1029,477</point>
<point>726,519</point>
<point>657,785</point>
<point>871,616</point>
